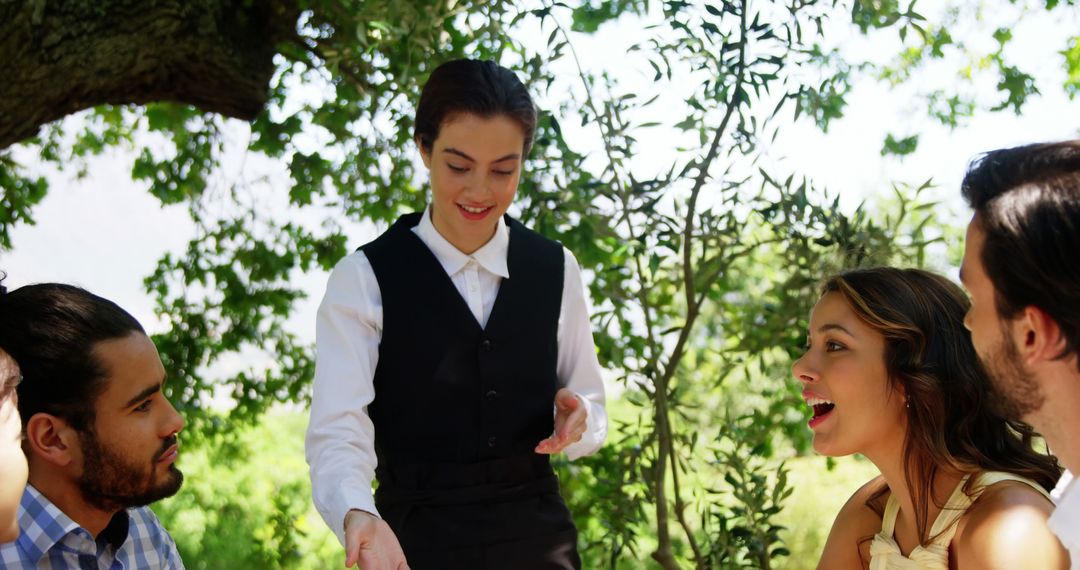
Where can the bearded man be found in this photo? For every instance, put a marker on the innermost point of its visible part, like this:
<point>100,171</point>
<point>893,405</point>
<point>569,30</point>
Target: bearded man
<point>1022,268</point>
<point>100,437</point>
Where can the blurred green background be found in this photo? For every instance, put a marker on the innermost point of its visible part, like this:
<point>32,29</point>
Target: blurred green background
<point>247,504</point>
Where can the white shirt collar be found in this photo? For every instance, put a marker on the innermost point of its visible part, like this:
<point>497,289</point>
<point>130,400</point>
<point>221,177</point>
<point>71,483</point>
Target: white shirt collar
<point>491,256</point>
<point>1065,520</point>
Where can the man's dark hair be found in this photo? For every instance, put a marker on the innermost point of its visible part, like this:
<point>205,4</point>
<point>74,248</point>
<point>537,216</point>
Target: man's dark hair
<point>1027,200</point>
<point>50,329</point>
<point>482,88</point>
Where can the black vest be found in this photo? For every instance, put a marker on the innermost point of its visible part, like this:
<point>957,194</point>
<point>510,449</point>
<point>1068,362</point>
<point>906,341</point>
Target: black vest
<point>446,390</point>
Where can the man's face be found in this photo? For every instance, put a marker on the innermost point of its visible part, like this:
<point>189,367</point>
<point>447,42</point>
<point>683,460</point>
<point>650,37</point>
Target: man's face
<point>1017,392</point>
<point>128,458</point>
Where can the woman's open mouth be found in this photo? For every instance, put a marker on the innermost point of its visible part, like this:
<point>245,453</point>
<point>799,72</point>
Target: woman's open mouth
<point>822,408</point>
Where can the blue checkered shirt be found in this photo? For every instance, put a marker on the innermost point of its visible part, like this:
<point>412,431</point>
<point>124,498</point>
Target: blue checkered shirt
<point>50,540</point>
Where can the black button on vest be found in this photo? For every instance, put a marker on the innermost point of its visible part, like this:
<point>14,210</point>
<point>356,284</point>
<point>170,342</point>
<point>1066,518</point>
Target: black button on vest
<point>446,390</point>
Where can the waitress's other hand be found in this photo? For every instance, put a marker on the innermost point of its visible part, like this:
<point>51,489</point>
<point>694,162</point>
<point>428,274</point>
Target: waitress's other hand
<point>570,423</point>
<point>369,541</point>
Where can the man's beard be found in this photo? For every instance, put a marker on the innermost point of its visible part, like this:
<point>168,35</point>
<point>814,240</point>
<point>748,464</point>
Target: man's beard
<point>111,482</point>
<point>1015,393</point>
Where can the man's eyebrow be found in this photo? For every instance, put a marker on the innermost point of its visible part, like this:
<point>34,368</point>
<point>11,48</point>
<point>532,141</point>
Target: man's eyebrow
<point>149,391</point>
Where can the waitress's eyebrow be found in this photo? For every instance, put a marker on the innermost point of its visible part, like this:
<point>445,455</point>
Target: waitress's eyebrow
<point>454,151</point>
<point>459,153</point>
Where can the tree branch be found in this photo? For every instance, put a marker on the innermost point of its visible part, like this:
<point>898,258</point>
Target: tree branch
<point>693,304</point>
<point>680,513</point>
<point>69,56</point>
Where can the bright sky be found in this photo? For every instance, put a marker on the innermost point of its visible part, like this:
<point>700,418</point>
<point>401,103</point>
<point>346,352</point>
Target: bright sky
<point>105,232</point>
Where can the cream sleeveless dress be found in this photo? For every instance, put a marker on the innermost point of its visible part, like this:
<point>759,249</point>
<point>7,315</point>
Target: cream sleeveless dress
<point>885,553</point>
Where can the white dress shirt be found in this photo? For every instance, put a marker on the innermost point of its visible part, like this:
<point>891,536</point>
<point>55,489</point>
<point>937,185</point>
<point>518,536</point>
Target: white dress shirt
<point>1065,520</point>
<point>340,440</point>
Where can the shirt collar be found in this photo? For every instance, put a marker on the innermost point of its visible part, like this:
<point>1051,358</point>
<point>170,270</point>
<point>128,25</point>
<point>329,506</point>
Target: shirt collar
<point>1065,520</point>
<point>491,256</point>
<point>42,524</point>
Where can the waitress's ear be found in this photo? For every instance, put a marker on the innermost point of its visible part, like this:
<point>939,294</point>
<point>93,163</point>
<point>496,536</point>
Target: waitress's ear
<point>425,152</point>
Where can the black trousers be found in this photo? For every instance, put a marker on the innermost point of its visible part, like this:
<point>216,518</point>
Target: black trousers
<point>501,514</point>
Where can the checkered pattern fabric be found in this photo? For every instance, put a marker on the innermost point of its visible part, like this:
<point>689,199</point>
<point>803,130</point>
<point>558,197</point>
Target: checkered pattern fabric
<point>50,540</point>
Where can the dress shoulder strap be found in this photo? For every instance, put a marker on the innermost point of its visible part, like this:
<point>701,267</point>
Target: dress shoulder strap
<point>989,478</point>
<point>944,526</point>
<point>888,518</point>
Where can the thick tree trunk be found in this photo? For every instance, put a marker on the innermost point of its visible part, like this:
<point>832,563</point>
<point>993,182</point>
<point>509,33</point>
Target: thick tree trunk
<point>61,56</point>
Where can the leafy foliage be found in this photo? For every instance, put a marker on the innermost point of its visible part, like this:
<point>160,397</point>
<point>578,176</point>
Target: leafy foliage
<point>704,268</point>
<point>21,194</point>
<point>711,266</point>
<point>1072,64</point>
<point>250,507</point>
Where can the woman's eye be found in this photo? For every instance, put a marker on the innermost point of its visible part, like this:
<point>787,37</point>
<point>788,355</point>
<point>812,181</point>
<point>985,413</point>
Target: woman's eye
<point>832,346</point>
<point>456,168</point>
<point>143,406</point>
<point>503,172</point>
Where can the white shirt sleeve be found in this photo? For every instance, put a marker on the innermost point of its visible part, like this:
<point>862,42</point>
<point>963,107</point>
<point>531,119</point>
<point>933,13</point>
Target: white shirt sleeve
<point>340,441</point>
<point>578,368</point>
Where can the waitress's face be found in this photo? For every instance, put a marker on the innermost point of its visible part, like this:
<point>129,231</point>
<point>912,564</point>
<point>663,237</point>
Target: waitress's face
<point>12,461</point>
<point>475,166</point>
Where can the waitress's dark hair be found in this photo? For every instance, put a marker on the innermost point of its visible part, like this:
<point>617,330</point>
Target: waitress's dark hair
<point>482,88</point>
<point>51,329</point>
<point>952,422</point>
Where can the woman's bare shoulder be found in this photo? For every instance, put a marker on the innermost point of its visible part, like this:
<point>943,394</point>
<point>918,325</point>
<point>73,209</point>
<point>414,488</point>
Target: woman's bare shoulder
<point>848,545</point>
<point>1006,528</point>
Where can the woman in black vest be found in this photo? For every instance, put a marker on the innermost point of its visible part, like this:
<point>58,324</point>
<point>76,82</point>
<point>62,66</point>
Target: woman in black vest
<point>454,356</point>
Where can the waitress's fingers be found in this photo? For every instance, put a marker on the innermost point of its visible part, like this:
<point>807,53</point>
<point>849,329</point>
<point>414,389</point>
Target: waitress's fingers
<point>547,446</point>
<point>555,444</point>
<point>574,434</point>
<point>573,421</point>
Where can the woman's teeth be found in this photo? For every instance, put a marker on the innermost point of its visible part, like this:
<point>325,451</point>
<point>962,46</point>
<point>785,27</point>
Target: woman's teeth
<point>821,406</point>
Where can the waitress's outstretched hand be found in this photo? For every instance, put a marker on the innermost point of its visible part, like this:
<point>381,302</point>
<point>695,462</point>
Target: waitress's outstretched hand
<point>570,416</point>
<point>369,541</point>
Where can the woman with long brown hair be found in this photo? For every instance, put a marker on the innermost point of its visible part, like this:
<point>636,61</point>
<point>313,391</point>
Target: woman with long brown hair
<point>13,468</point>
<point>890,373</point>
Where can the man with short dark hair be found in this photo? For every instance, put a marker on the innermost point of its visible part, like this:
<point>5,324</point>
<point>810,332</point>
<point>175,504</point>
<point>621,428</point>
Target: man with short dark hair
<point>1022,268</point>
<point>100,436</point>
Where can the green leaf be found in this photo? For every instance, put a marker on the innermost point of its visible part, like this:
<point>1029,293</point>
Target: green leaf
<point>899,147</point>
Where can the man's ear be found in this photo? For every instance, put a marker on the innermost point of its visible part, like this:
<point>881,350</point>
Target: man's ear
<point>51,438</point>
<point>1038,336</point>
<point>425,153</point>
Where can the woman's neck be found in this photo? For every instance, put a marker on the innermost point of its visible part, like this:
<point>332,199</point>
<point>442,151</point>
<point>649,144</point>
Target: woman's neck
<point>894,470</point>
<point>889,459</point>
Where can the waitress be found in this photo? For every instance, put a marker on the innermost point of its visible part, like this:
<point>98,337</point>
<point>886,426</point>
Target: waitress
<point>454,356</point>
